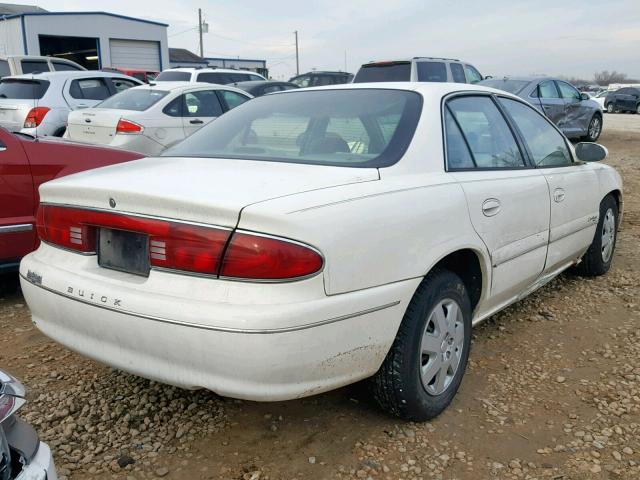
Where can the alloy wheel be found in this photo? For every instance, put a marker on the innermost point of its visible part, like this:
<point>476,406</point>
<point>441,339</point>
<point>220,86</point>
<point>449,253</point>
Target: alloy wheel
<point>442,346</point>
<point>608,235</point>
<point>594,128</point>
<point>610,108</point>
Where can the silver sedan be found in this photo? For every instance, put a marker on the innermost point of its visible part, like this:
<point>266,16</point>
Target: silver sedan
<point>573,112</point>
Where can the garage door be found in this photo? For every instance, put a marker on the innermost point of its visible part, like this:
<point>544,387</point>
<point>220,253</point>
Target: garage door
<point>135,54</point>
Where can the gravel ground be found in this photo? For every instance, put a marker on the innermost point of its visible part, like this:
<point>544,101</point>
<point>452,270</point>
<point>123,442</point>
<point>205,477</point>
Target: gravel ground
<point>552,392</point>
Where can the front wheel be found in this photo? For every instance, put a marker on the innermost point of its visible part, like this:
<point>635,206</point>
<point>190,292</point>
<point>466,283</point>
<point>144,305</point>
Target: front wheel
<point>425,365</point>
<point>594,129</point>
<point>597,261</point>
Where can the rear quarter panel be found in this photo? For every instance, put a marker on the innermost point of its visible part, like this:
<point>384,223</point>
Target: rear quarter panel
<point>374,233</point>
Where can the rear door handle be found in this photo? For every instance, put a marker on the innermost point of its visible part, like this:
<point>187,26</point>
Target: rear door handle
<point>491,207</point>
<point>196,122</point>
<point>558,195</point>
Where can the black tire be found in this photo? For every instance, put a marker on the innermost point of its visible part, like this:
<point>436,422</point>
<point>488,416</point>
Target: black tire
<point>595,262</point>
<point>611,108</point>
<point>594,129</point>
<point>638,109</point>
<point>398,386</point>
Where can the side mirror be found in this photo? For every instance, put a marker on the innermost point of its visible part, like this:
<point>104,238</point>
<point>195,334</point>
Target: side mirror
<point>584,96</point>
<point>591,152</point>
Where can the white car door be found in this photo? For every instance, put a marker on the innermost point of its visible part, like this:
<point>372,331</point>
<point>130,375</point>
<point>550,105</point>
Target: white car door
<point>166,126</point>
<point>200,108</point>
<point>508,200</point>
<point>573,186</point>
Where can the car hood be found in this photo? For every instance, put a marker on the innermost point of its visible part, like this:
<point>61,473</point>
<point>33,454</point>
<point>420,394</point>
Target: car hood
<point>207,190</point>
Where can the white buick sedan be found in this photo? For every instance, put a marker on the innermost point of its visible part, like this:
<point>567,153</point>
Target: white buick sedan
<point>313,238</point>
<point>151,118</point>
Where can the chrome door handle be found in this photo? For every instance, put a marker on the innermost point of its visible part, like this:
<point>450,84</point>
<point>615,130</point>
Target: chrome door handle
<point>558,195</point>
<point>491,207</point>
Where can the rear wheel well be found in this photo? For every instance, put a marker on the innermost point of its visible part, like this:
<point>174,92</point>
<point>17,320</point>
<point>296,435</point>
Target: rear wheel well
<point>465,264</point>
<point>617,196</point>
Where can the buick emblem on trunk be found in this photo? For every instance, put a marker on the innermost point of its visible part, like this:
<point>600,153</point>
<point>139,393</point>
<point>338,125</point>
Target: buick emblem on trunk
<point>112,203</point>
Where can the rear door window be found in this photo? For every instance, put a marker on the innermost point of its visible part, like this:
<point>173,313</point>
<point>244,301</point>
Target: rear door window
<point>23,89</point>
<point>89,89</point>
<point>34,66</point>
<point>64,67</point>
<point>232,99</point>
<point>547,89</point>
<point>204,103</point>
<point>432,71</point>
<point>457,72</point>
<point>384,72</point>
<point>473,75</point>
<point>490,141</point>
<point>220,78</point>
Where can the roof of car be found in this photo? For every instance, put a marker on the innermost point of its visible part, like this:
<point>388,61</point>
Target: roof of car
<point>323,72</point>
<point>432,89</point>
<point>256,83</point>
<point>68,74</point>
<point>410,59</point>
<point>209,69</point>
<point>524,78</point>
<point>173,86</point>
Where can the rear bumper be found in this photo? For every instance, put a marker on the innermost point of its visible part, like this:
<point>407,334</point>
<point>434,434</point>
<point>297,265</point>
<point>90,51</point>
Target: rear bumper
<point>251,341</point>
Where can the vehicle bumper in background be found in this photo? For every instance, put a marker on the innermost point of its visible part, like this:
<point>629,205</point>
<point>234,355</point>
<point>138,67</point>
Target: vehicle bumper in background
<point>41,466</point>
<point>252,341</point>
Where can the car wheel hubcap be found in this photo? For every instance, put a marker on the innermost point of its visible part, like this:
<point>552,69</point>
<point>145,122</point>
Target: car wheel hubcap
<point>610,108</point>
<point>442,346</point>
<point>594,128</point>
<point>608,235</point>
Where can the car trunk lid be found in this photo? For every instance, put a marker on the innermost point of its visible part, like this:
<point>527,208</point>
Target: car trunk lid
<point>207,190</point>
<point>95,125</point>
<point>13,113</point>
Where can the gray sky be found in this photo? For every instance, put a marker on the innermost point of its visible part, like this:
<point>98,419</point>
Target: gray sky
<point>571,37</point>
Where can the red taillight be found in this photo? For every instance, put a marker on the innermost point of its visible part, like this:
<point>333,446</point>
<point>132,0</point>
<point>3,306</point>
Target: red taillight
<point>127,126</point>
<point>257,257</point>
<point>182,246</point>
<point>65,227</point>
<point>35,117</point>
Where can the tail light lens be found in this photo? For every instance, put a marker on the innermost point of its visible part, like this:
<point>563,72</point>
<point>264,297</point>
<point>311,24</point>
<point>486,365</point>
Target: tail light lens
<point>257,257</point>
<point>128,127</point>
<point>185,247</point>
<point>35,117</point>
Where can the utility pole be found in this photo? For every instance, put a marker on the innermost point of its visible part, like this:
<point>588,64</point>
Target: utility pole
<point>297,56</point>
<point>200,30</point>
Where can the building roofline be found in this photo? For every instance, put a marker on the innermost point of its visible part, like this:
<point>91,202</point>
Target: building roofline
<point>108,14</point>
<point>236,59</point>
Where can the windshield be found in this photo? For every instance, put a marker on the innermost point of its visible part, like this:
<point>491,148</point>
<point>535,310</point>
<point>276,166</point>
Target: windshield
<point>23,89</point>
<point>511,86</point>
<point>384,72</point>
<point>134,99</point>
<point>350,128</point>
<point>173,77</point>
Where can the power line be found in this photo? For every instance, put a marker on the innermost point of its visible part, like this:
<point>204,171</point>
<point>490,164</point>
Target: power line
<point>183,31</point>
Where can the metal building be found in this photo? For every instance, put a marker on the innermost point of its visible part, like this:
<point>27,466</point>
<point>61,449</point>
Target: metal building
<point>92,39</point>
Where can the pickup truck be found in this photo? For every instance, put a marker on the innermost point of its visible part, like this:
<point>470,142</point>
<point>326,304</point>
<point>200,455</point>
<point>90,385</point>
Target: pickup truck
<point>26,163</point>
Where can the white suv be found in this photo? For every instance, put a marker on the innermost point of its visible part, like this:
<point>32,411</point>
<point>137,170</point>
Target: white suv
<point>221,76</point>
<point>419,69</point>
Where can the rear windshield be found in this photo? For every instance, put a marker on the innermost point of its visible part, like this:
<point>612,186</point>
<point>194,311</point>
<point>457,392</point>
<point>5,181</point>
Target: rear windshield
<point>224,78</point>
<point>134,99</point>
<point>173,77</point>
<point>347,128</point>
<point>30,89</point>
<point>511,86</point>
<point>384,72</point>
